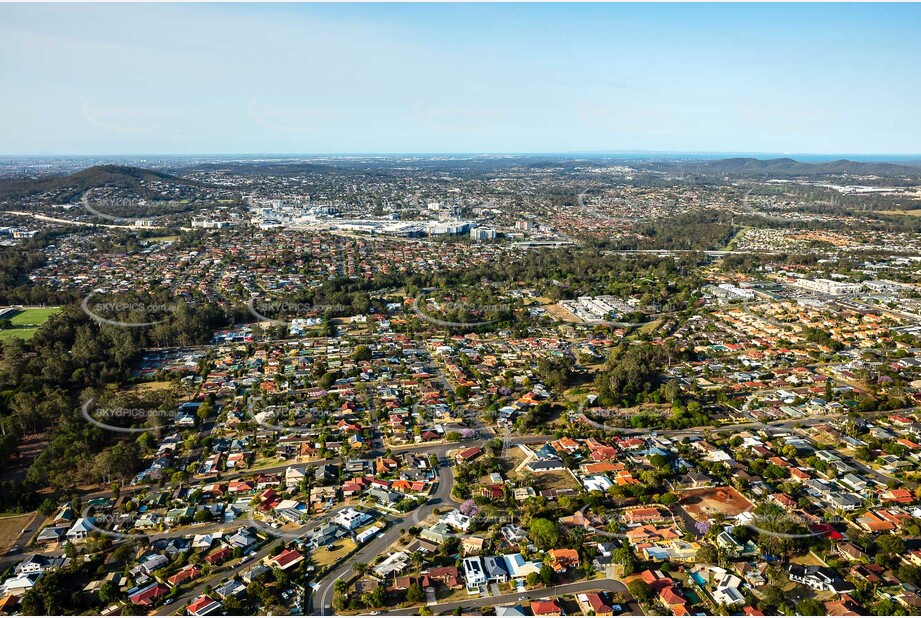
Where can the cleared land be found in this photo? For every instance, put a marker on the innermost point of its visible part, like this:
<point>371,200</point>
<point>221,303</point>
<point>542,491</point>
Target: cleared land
<point>323,557</point>
<point>11,528</point>
<point>704,504</point>
<point>561,314</point>
<point>906,213</point>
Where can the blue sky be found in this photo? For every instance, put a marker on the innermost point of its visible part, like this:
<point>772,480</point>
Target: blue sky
<point>184,79</point>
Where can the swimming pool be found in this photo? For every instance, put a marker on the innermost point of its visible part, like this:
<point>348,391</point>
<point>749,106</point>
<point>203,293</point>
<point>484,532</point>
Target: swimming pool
<point>697,577</point>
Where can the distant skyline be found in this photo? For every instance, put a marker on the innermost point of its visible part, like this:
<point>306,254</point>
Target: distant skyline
<point>183,79</point>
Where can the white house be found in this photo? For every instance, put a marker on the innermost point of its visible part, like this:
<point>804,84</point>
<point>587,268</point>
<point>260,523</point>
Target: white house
<point>474,573</point>
<point>20,584</point>
<point>727,590</point>
<point>351,518</point>
<point>81,529</point>
<point>599,482</point>
<point>457,520</point>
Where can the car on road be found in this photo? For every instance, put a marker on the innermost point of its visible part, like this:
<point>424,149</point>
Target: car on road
<point>170,600</point>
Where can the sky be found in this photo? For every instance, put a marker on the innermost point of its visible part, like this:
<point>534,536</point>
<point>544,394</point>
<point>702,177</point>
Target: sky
<point>91,79</point>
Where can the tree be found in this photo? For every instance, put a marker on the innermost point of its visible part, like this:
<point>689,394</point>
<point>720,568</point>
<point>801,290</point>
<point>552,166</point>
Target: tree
<point>546,574</point>
<point>773,596</point>
<point>48,507</point>
<point>544,532</point>
<point>810,607</point>
<point>891,544</point>
<point>640,590</point>
<point>203,411</point>
<point>326,380</point>
<point>414,593</point>
<point>360,568</point>
<point>108,592</point>
<point>532,579</point>
<point>707,554</point>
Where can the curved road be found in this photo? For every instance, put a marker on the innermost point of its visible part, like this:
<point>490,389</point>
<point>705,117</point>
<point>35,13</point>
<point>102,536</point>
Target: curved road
<point>320,602</point>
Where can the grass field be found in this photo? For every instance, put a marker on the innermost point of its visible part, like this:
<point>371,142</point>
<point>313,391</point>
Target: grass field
<point>323,557</point>
<point>22,333</point>
<point>905,213</point>
<point>26,321</point>
<point>34,317</point>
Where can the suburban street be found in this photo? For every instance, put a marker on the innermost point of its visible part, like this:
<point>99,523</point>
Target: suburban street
<point>607,585</point>
<point>320,601</point>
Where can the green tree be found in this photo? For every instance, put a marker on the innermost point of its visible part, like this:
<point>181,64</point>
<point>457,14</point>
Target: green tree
<point>544,533</point>
<point>640,590</point>
<point>414,593</point>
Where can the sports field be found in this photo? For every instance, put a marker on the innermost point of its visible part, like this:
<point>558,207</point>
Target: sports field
<point>26,321</point>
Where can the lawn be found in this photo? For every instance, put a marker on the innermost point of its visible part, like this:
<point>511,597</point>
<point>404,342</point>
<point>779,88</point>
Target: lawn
<point>34,317</point>
<point>906,213</point>
<point>22,333</point>
<point>322,557</point>
<point>26,321</point>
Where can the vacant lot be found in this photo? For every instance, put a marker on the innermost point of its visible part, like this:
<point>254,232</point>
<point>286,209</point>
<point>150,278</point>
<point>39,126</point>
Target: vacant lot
<point>333,554</point>
<point>704,504</point>
<point>907,213</point>
<point>10,528</point>
<point>560,313</point>
<point>554,480</point>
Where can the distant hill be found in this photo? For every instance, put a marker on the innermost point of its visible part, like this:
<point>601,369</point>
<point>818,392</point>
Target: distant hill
<point>750,167</point>
<point>70,188</point>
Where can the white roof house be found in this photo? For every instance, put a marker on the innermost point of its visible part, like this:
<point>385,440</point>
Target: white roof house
<point>81,529</point>
<point>518,567</point>
<point>351,518</point>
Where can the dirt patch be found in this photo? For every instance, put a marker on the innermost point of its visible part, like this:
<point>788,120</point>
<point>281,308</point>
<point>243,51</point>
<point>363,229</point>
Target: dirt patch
<point>153,386</point>
<point>561,314</point>
<point>905,213</point>
<point>30,447</point>
<point>704,504</point>
<point>554,480</point>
